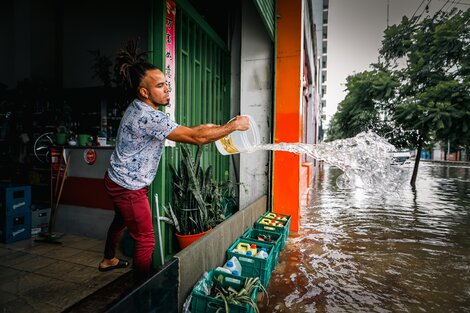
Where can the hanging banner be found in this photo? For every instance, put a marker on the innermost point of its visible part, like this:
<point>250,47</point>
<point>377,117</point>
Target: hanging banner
<point>170,60</point>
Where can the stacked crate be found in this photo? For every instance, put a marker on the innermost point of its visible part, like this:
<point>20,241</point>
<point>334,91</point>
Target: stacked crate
<point>253,266</point>
<point>210,303</point>
<point>40,220</point>
<point>265,236</point>
<point>275,222</point>
<point>270,233</point>
<point>15,213</point>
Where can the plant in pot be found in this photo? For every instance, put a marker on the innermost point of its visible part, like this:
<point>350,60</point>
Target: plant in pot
<point>199,202</point>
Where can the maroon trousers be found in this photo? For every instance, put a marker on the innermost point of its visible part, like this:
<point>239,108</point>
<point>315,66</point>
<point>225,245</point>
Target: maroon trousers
<point>131,210</point>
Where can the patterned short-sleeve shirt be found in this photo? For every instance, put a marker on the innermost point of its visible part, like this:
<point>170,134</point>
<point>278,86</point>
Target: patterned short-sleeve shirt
<point>139,145</point>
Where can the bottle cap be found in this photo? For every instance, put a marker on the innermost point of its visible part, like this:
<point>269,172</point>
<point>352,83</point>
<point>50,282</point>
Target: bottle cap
<point>235,272</point>
<point>249,253</point>
<point>230,264</point>
<point>253,246</point>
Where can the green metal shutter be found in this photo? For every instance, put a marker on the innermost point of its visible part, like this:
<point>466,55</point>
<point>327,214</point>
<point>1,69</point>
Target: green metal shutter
<point>161,184</point>
<point>203,80</point>
<point>202,95</point>
<point>267,11</point>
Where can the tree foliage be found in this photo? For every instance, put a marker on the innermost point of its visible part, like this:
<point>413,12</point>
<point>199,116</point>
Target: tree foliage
<point>434,93</point>
<point>419,92</point>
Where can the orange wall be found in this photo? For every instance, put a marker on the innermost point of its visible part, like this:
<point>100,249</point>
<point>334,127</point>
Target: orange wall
<point>288,114</point>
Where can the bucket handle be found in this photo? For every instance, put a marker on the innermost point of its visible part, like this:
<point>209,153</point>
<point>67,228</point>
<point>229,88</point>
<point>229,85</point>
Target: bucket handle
<point>236,117</point>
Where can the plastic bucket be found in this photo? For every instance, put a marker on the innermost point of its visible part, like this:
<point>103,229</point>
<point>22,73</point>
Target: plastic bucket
<point>60,138</point>
<point>239,141</point>
<point>84,140</point>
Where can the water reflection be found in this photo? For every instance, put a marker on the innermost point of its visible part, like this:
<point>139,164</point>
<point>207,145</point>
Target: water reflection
<point>363,252</point>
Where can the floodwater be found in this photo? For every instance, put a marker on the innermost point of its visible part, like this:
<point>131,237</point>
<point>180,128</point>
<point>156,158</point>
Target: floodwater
<point>358,251</point>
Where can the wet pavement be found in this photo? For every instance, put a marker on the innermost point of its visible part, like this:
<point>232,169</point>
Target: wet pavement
<point>49,277</point>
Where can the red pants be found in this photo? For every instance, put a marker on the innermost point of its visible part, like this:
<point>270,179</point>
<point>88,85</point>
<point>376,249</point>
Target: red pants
<point>131,210</point>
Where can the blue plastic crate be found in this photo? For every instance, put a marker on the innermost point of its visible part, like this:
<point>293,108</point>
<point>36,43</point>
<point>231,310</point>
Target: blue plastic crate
<point>15,227</point>
<point>15,199</point>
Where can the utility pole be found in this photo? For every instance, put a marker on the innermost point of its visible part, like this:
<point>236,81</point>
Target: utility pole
<point>388,11</point>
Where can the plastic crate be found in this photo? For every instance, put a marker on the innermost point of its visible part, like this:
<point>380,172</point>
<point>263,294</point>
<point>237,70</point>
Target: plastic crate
<point>15,227</point>
<point>40,218</point>
<point>15,199</point>
<point>203,303</point>
<point>253,266</point>
<point>265,236</point>
<point>279,217</point>
<point>283,226</point>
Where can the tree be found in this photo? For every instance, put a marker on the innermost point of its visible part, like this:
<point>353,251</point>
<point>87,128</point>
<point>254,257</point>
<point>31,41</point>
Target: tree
<point>428,62</point>
<point>368,106</point>
<point>434,93</point>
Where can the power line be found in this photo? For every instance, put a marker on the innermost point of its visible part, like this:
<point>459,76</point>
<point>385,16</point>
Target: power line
<point>443,6</point>
<point>418,8</point>
<point>425,9</point>
<point>459,2</point>
<point>453,5</point>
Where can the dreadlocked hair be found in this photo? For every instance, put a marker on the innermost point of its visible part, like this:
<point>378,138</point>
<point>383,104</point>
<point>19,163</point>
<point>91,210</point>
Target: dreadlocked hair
<point>131,64</point>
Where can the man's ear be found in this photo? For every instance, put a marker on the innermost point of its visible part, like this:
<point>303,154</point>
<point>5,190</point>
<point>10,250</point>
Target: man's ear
<point>144,92</point>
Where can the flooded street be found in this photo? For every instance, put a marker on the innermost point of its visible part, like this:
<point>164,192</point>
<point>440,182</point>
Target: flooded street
<point>363,252</point>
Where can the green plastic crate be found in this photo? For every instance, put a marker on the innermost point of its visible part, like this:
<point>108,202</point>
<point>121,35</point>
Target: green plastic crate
<point>266,236</point>
<point>284,229</point>
<point>253,266</point>
<point>203,303</point>
<point>280,217</point>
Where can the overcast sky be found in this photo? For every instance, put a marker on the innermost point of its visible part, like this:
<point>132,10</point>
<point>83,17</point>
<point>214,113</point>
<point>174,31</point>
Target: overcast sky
<point>355,31</point>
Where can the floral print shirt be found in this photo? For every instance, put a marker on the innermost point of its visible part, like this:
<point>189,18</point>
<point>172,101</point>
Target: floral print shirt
<point>139,145</point>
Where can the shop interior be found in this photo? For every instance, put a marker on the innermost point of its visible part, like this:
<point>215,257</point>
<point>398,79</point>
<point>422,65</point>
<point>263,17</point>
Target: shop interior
<point>59,76</point>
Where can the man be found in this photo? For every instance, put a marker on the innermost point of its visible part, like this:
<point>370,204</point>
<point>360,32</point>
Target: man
<point>134,162</point>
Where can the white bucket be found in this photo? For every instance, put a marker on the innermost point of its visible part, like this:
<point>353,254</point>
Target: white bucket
<point>239,141</point>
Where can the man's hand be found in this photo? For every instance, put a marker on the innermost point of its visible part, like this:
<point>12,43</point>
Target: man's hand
<point>241,122</point>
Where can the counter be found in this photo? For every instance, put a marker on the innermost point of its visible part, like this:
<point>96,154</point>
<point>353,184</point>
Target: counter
<point>84,207</point>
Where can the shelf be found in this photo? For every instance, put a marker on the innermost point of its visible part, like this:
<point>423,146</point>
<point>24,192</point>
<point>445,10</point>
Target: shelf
<point>39,169</point>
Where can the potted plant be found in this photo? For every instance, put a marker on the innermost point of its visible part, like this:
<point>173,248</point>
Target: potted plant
<point>199,202</point>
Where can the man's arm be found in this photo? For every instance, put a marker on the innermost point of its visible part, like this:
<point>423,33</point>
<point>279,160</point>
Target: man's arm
<point>206,133</point>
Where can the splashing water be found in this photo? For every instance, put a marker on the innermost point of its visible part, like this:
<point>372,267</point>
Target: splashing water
<point>366,156</point>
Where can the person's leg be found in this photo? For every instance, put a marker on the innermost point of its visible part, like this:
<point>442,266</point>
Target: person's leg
<point>116,228</point>
<point>114,234</point>
<point>134,210</point>
<point>112,239</point>
<point>139,223</point>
